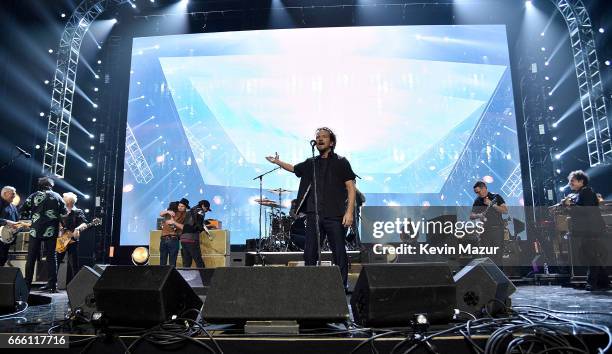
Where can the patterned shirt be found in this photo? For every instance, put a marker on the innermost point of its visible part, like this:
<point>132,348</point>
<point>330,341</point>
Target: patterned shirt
<point>45,208</point>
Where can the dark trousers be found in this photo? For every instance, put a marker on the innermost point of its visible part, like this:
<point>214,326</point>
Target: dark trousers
<point>191,252</point>
<point>71,255</point>
<point>4,250</point>
<point>34,254</point>
<point>334,230</point>
<point>168,250</point>
<point>593,254</point>
<point>494,237</point>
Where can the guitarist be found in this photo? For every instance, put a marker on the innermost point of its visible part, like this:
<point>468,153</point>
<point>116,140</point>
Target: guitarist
<point>74,222</point>
<point>488,208</point>
<point>8,217</point>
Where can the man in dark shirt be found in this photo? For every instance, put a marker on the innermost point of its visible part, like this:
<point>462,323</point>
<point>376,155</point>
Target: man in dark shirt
<point>45,208</point>
<point>588,230</point>
<point>335,199</point>
<point>8,216</point>
<point>75,222</point>
<point>488,208</point>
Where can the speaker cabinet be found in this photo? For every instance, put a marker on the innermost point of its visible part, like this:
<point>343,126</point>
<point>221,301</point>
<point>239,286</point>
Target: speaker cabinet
<point>393,294</point>
<point>304,294</point>
<point>482,283</point>
<point>144,295</point>
<point>12,289</point>
<point>80,291</point>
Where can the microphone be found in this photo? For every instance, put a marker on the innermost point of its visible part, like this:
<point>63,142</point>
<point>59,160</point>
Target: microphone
<point>22,151</point>
<point>313,143</point>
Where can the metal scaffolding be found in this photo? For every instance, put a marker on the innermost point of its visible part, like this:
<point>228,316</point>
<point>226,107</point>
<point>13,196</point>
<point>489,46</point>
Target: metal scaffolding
<point>135,159</point>
<point>58,128</point>
<point>592,99</point>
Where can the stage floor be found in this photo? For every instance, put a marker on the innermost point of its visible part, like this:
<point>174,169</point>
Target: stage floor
<point>43,318</point>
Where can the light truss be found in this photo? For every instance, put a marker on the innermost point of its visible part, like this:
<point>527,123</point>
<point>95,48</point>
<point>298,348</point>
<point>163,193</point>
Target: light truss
<point>58,127</point>
<point>592,99</point>
<point>135,159</point>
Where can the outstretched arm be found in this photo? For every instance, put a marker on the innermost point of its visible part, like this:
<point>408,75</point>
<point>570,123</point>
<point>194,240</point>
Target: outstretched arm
<point>284,165</point>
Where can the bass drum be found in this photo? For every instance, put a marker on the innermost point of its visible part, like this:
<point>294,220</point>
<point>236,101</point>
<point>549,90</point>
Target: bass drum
<point>298,234</point>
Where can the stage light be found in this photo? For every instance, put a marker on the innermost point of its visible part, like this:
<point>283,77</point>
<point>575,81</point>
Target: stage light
<point>557,156</point>
<point>50,51</point>
<point>542,34</point>
<point>153,1</point>
<point>554,138</point>
<point>97,76</point>
<point>37,147</point>
<point>87,210</point>
<point>91,136</point>
<point>546,63</point>
<point>554,125</point>
<point>551,108</point>
<point>93,120</point>
<point>550,93</point>
<point>63,15</point>
<point>558,171</point>
<point>140,256</point>
<point>92,147</point>
<point>89,164</point>
<point>46,82</point>
<point>184,2</point>
<point>86,196</point>
<point>133,6</point>
<point>561,189</point>
<point>543,49</point>
<point>114,21</point>
<point>546,78</point>
<point>88,179</point>
<point>42,114</point>
<point>601,30</point>
<point>95,89</point>
<point>95,105</point>
<point>528,3</point>
<point>99,47</point>
<point>607,62</point>
<point>99,61</point>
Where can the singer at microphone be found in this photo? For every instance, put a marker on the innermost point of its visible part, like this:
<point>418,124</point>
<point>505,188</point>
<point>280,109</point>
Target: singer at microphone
<point>334,186</point>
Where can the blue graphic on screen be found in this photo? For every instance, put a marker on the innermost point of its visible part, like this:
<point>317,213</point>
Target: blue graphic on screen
<point>421,113</point>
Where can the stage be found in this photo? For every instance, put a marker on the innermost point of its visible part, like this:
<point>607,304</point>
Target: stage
<point>48,318</point>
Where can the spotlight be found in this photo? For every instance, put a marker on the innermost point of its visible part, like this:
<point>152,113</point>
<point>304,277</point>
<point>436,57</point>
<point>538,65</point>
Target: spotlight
<point>95,105</point>
<point>546,63</point>
<point>91,136</point>
<point>63,15</point>
<point>89,164</point>
<point>554,124</point>
<point>601,30</point>
<point>114,20</point>
<point>561,189</point>
<point>184,2</point>
<point>153,1</point>
<point>133,6</point>
<point>557,156</point>
<point>558,171</point>
<point>551,108</point>
<point>93,120</point>
<point>99,61</point>
<point>87,210</point>
<point>546,78</point>
<point>86,196</point>
<point>46,82</point>
<point>97,76</point>
<point>542,34</point>
<point>140,256</point>
<point>50,51</point>
<point>95,89</point>
<point>88,179</point>
<point>99,47</point>
<point>554,138</point>
<point>543,49</point>
<point>607,62</point>
<point>550,93</point>
<point>92,147</point>
<point>42,114</point>
<point>528,3</point>
<point>37,147</point>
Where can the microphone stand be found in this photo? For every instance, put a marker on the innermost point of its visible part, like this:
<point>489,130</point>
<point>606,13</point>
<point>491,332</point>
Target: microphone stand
<point>259,257</point>
<point>316,203</point>
<point>12,160</point>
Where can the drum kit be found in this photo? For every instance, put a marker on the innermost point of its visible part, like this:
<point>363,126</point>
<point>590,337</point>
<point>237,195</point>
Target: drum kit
<point>285,233</point>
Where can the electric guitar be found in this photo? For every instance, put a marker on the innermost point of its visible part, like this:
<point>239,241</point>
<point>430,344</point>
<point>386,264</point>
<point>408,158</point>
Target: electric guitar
<point>7,233</point>
<point>66,238</point>
<point>482,216</point>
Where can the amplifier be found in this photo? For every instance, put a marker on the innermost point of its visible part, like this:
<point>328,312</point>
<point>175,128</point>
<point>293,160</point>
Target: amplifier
<point>154,237</point>
<point>218,244</point>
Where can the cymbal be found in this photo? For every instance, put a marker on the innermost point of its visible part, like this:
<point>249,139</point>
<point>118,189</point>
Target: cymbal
<point>279,191</point>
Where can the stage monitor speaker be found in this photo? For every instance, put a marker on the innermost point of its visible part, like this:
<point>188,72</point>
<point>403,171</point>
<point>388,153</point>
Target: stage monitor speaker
<point>481,283</point>
<point>13,289</point>
<point>144,295</point>
<point>80,291</point>
<point>393,294</point>
<point>308,295</point>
